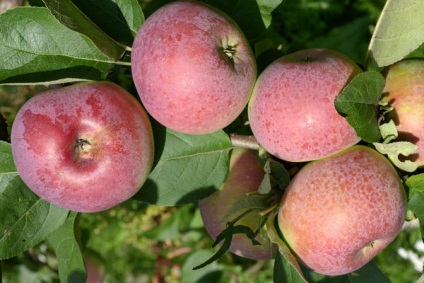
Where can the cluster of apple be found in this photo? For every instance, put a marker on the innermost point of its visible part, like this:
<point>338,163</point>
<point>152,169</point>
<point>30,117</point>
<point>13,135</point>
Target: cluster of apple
<point>195,73</point>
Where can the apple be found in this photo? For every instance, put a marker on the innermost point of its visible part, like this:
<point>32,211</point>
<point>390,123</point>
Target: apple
<point>405,89</point>
<point>245,176</point>
<point>85,147</point>
<point>193,68</point>
<point>291,111</point>
<point>95,270</point>
<point>339,212</point>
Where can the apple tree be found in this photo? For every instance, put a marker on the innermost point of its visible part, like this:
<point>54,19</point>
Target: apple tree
<point>211,141</point>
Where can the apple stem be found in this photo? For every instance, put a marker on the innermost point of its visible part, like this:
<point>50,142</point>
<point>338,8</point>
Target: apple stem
<point>248,142</point>
<point>268,210</point>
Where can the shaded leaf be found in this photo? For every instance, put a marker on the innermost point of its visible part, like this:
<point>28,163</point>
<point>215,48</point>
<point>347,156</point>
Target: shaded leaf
<point>399,31</point>
<point>191,167</point>
<point>358,102</point>
<point>120,19</point>
<point>416,205</point>
<point>36,48</point>
<point>279,174</point>
<point>72,17</point>
<point>256,202</point>
<point>286,266</point>
<point>65,243</point>
<point>233,230</point>
<point>394,149</point>
<point>222,250</point>
<point>27,220</point>
<point>369,273</point>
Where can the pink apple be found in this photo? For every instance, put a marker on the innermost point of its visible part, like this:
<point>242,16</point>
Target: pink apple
<point>245,175</point>
<point>291,111</point>
<point>86,147</point>
<point>405,89</point>
<point>339,212</point>
<point>193,67</point>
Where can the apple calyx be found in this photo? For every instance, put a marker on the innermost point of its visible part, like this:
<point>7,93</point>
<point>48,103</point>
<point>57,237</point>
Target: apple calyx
<point>83,150</point>
<point>229,53</point>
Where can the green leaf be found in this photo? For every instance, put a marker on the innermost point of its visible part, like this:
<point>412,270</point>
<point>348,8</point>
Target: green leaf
<point>191,167</point>
<point>120,19</point>
<point>132,12</point>
<point>265,186</point>
<point>26,219</point>
<point>222,250</point>
<point>416,205</point>
<point>394,149</point>
<point>369,273</point>
<point>358,102</point>
<point>36,48</point>
<point>209,274</point>
<point>72,17</point>
<point>69,257</point>
<point>253,16</point>
<point>226,237</point>
<point>399,31</point>
<point>252,202</point>
<point>286,266</point>
<point>266,7</point>
<point>415,183</point>
<point>279,174</point>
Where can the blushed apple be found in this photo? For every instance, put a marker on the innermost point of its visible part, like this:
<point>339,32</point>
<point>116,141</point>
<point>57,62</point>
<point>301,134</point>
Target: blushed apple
<point>245,176</point>
<point>339,212</point>
<point>405,89</point>
<point>193,67</point>
<point>85,147</point>
<point>291,111</point>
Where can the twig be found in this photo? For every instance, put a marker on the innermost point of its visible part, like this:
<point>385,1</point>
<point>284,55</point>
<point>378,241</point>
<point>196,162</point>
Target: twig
<point>249,142</point>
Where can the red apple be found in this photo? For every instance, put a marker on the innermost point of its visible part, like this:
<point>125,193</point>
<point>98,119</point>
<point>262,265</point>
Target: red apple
<point>193,67</point>
<point>291,111</point>
<point>245,176</point>
<point>339,212</point>
<point>405,89</point>
<point>85,147</point>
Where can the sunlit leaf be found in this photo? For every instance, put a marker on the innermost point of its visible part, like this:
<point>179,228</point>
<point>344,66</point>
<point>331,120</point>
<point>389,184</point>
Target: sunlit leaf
<point>399,31</point>
<point>36,48</point>
<point>415,183</point>
<point>190,168</point>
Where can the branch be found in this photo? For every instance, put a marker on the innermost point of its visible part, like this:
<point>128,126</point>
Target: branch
<point>249,142</point>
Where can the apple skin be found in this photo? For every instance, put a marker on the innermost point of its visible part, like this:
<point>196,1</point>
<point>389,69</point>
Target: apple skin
<point>184,78</point>
<point>405,89</point>
<point>85,147</point>
<point>339,212</point>
<point>245,176</point>
<point>291,111</point>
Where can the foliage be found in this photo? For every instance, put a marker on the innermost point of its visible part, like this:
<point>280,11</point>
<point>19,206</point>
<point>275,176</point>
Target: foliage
<point>158,234</point>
